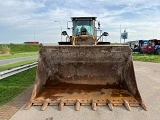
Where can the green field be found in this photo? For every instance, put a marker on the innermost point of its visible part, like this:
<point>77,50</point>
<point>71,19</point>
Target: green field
<point>21,48</point>
<point>16,51</point>
<point>12,86</point>
<point>17,55</point>
<point>146,57</point>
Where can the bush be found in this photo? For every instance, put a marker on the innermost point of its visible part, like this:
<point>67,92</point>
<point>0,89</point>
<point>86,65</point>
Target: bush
<point>4,49</point>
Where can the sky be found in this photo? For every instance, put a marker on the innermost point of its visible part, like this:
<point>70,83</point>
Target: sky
<point>34,20</point>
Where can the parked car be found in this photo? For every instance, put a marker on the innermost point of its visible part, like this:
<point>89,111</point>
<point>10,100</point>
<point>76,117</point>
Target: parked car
<point>153,46</point>
<point>140,46</point>
<point>157,49</point>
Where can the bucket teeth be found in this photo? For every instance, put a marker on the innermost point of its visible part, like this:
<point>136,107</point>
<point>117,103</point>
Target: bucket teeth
<point>126,104</point>
<point>45,104</point>
<point>61,105</point>
<point>77,105</point>
<point>94,105</point>
<point>143,105</point>
<point>110,105</point>
<point>28,105</point>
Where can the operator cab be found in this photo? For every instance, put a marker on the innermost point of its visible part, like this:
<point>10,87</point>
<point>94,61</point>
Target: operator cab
<point>83,26</point>
<point>84,32</point>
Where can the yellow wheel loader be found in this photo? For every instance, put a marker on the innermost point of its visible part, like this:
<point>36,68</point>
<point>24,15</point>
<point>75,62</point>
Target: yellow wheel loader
<point>85,71</point>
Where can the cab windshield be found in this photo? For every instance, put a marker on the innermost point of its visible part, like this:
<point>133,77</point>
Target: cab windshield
<point>81,26</point>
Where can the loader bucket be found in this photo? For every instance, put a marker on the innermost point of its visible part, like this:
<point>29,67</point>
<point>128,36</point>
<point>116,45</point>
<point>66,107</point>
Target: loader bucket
<point>85,75</point>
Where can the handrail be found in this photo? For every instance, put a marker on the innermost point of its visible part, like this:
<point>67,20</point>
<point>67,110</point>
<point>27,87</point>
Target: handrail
<point>7,73</point>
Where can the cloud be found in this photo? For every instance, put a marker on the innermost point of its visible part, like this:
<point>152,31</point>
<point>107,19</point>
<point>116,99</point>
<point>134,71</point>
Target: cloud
<point>20,18</point>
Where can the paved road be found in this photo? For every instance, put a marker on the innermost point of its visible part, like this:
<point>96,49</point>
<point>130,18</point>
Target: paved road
<point>148,80</point>
<point>14,60</point>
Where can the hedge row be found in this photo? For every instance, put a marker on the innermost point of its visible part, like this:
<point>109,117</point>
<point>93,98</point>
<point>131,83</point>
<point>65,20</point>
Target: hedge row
<point>22,47</point>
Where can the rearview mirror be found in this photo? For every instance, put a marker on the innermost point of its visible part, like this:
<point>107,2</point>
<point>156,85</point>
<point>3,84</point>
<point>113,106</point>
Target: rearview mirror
<point>105,34</point>
<point>64,33</point>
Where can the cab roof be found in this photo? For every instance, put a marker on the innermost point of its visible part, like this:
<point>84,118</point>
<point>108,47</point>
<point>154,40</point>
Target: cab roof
<point>92,18</point>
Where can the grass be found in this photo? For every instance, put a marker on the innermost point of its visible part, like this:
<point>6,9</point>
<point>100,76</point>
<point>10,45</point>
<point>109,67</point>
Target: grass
<point>12,86</point>
<point>16,55</point>
<point>146,57</point>
<point>10,66</point>
<point>21,47</point>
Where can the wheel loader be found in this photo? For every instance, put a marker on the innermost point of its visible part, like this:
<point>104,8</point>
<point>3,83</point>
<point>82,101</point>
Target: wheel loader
<point>84,70</point>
